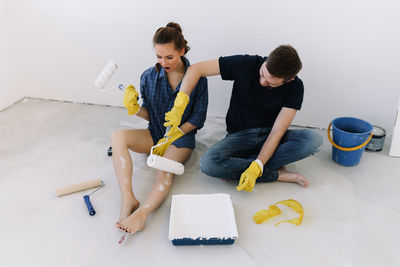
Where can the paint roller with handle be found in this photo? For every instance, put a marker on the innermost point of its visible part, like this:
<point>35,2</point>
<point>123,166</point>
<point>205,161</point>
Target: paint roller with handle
<point>80,187</point>
<point>164,164</point>
<point>105,76</point>
<point>102,81</point>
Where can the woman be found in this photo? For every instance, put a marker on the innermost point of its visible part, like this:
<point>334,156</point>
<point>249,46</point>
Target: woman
<point>159,86</point>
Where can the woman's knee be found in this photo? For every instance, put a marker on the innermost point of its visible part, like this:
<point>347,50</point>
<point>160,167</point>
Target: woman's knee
<point>118,137</point>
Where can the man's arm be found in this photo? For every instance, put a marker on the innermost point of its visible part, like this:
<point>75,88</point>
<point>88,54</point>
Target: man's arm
<point>193,74</point>
<point>196,71</point>
<point>281,124</point>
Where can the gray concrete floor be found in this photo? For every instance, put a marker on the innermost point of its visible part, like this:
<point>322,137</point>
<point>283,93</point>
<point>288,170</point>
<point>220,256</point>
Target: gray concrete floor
<point>351,213</point>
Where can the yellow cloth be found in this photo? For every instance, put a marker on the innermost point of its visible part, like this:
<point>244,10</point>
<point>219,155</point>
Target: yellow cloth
<point>249,177</point>
<point>130,100</point>
<point>162,144</point>
<point>174,116</point>
<point>263,215</point>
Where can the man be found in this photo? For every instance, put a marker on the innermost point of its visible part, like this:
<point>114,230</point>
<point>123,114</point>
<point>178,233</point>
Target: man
<point>265,98</point>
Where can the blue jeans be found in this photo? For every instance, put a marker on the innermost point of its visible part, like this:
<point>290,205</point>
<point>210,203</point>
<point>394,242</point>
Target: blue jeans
<point>231,156</point>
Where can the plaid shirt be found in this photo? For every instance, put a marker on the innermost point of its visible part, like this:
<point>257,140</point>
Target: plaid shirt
<point>158,98</point>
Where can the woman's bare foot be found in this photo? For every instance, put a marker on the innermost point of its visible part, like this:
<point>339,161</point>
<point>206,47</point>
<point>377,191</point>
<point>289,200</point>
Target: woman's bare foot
<point>136,222</point>
<point>128,206</point>
<point>292,177</point>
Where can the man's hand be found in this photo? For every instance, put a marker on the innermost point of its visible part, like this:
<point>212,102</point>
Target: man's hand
<point>162,144</point>
<point>174,116</point>
<point>130,100</point>
<point>249,177</point>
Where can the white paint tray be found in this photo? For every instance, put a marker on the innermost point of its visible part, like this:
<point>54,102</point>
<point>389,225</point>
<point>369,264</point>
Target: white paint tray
<point>202,219</point>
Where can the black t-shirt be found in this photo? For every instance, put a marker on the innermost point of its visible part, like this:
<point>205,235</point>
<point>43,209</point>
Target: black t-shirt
<point>252,105</point>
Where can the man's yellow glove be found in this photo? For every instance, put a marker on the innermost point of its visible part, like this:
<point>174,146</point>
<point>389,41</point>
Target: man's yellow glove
<point>174,116</point>
<point>250,175</point>
<point>162,144</point>
<point>130,100</point>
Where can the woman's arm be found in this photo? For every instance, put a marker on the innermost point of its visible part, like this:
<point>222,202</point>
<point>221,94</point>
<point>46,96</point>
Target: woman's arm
<point>187,127</point>
<point>143,113</point>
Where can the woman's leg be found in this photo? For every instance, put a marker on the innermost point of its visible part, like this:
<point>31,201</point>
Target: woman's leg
<point>159,192</point>
<point>139,141</point>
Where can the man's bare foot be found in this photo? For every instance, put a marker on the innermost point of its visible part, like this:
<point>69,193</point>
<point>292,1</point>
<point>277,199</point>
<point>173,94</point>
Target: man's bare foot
<point>134,223</point>
<point>292,177</point>
<point>128,206</point>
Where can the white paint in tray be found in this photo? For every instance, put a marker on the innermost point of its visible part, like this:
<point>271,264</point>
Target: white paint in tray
<point>202,216</point>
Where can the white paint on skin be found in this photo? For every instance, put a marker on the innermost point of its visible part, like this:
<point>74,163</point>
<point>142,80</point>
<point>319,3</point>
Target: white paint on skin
<point>123,165</point>
<point>146,206</point>
<point>125,180</point>
<point>160,187</point>
<point>167,182</point>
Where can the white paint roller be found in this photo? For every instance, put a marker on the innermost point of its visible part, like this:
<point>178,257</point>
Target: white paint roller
<point>164,164</point>
<point>105,76</point>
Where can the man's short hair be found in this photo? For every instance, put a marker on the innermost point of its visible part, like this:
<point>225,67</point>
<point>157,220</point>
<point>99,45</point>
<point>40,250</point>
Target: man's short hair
<point>284,62</point>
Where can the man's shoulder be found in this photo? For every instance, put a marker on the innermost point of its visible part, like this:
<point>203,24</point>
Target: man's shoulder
<point>244,57</point>
<point>296,84</point>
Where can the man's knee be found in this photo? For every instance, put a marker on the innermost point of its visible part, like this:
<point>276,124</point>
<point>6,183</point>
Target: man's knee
<point>313,141</point>
<point>209,163</point>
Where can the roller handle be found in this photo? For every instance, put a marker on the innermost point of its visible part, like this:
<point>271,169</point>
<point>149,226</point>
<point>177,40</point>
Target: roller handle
<point>91,210</point>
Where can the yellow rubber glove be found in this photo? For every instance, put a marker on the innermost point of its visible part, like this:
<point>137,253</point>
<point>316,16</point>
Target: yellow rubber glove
<point>162,144</point>
<point>174,116</point>
<point>273,210</point>
<point>263,215</point>
<point>297,207</point>
<point>249,177</point>
<point>130,100</point>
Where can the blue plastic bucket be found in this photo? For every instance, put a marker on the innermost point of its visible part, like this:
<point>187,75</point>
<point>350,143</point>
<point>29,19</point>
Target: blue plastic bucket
<point>350,136</point>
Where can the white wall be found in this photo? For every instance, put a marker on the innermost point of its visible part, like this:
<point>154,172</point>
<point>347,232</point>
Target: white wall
<point>9,93</point>
<point>349,48</point>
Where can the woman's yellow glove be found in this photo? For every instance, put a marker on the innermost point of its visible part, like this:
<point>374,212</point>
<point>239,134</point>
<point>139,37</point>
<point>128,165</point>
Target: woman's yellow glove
<point>162,144</point>
<point>174,116</point>
<point>249,177</point>
<point>130,100</point>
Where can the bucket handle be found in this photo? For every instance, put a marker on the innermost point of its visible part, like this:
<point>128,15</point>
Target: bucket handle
<point>346,148</point>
